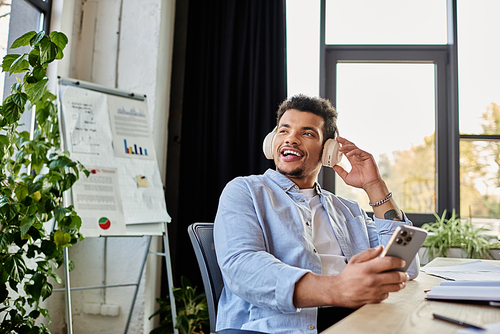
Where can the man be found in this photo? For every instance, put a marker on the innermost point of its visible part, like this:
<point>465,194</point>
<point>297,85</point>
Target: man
<point>287,248</point>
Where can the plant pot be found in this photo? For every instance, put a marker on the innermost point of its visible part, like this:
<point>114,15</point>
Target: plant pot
<point>452,252</point>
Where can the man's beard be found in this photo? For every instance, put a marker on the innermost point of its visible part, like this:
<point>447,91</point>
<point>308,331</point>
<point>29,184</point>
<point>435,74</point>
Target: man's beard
<point>297,173</point>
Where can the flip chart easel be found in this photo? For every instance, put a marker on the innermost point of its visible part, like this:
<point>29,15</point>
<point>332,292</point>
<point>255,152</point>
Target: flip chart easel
<point>108,129</point>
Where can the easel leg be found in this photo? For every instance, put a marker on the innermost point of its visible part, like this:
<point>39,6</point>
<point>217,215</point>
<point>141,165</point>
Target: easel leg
<point>170,279</point>
<point>69,318</point>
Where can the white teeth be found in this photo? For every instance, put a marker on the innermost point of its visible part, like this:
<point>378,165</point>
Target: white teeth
<point>287,152</point>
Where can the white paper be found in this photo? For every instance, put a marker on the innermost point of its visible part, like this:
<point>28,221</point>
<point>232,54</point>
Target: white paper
<point>132,136</point>
<point>85,109</point>
<point>142,205</point>
<point>469,271</point>
<point>489,329</point>
<point>98,202</point>
<point>87,129</point>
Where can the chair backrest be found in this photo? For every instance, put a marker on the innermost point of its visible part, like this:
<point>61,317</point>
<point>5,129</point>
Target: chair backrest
<point>202,238</point>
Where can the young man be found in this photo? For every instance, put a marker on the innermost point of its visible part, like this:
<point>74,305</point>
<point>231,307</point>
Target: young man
<point>287,248</point>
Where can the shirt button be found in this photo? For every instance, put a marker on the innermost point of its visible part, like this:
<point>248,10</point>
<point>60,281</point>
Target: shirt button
<point>296,187</point>
<point>311,327</point>
<point>315,251</point>
<point>308,223</point>
<point>284,188</point>
<point>302,200</point>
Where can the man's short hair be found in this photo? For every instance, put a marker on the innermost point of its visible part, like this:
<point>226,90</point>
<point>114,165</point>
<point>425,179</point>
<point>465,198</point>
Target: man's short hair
<point>316,105</point>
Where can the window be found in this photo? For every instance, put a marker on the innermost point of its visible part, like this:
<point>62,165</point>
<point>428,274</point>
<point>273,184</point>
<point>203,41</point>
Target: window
<point>380,110</point>
<point>479,105</point>
<point>363,22</point>
<point>5,9</point>
<point>23,16</point>
<point>453,45</point>
<point>303,46</point>
<point>390,101</point>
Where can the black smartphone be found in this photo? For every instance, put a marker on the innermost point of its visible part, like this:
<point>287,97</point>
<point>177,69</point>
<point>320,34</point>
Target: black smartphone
<point>405,243</point>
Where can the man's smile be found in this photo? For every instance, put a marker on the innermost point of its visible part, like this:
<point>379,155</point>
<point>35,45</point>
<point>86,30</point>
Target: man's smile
<point>291,154</point>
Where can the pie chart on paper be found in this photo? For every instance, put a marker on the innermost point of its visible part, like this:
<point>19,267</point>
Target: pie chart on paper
<point>104,223</point>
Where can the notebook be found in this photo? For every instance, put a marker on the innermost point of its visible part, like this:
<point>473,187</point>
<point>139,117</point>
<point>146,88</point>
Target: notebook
<point>487,291</point>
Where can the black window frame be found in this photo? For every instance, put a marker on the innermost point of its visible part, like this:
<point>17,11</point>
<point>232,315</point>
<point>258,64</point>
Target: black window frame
<point>447,129</point>
<point>45,8</point>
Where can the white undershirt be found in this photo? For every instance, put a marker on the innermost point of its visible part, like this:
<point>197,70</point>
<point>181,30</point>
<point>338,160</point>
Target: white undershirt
<point>324,240</point>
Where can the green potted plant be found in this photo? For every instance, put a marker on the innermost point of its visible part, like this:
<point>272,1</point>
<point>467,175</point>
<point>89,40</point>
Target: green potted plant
<point>192,311</point>
<point>454,232</point>
<point>35,173</point>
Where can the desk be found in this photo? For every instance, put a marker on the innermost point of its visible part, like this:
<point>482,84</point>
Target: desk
<point>408,312</point>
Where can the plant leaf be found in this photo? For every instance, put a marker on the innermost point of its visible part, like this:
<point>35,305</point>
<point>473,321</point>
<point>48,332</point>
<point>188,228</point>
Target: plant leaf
<point>23,40</point>
<point>48,248</point>
<point>76,222</point>
<point>34,57</point>
<point>5,240</point>
<point>56,278</point>
<point>36,91</point>
<point>61,162</point>
<point>11,111</point>
<point>39,73</point>
<point>59,213</point>
<point>61,239</point>
<point>26,225</point>
<point>20,65</point>
<point>46,290</point>
<point>20,99</point>
<point>21,192</point>
<point>48,51</point>
<point>8,60</point>
<point>4,139</point>
<point>4,293</point>
<point>37,38</point>
<point>60,40</point>
<point>15,267</point>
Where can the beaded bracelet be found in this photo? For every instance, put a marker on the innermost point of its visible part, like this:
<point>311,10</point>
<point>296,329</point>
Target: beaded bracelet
<point>381,201</point>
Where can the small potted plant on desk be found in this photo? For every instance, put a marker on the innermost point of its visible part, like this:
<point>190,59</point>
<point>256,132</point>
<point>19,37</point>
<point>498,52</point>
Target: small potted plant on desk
<point>456,237</point>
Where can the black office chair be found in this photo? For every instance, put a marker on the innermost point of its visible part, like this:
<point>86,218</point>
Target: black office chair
<point>202,238</point>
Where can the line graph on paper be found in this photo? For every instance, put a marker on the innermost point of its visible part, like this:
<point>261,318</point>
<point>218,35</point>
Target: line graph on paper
<point>86,122</point>
<point>85,136</point>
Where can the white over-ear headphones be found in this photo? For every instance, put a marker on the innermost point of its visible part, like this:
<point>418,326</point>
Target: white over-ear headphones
<point>331,154</point>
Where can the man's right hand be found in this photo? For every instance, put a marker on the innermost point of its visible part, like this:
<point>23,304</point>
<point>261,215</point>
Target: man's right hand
<point>364,280</point>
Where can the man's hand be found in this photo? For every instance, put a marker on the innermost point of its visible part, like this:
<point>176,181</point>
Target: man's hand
<point>363,281</point>
<point>365,174</point>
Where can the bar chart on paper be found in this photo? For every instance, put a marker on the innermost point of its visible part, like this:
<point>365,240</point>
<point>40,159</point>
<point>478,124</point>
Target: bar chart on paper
<point>130,125</point>
<point>134,149</point>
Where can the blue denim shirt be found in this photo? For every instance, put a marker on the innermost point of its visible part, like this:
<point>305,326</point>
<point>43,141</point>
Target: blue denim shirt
<point>263,242</point>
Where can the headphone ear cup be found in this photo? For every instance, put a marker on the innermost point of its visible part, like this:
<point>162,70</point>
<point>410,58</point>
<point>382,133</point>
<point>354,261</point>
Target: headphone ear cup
<point>267,145</point>
<point>331,154</point>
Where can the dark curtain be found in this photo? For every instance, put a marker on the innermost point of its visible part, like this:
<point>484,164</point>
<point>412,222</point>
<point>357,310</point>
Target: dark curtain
<point>235,78</point>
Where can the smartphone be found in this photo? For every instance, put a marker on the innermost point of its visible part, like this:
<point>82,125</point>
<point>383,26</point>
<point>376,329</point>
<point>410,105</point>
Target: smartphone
<point>405,243</point>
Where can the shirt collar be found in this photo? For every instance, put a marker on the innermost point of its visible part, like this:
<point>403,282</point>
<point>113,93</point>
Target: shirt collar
<point>285,183</point>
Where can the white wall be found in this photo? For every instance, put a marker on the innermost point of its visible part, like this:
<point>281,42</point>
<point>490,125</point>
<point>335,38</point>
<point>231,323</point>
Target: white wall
<point>125,44</point>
